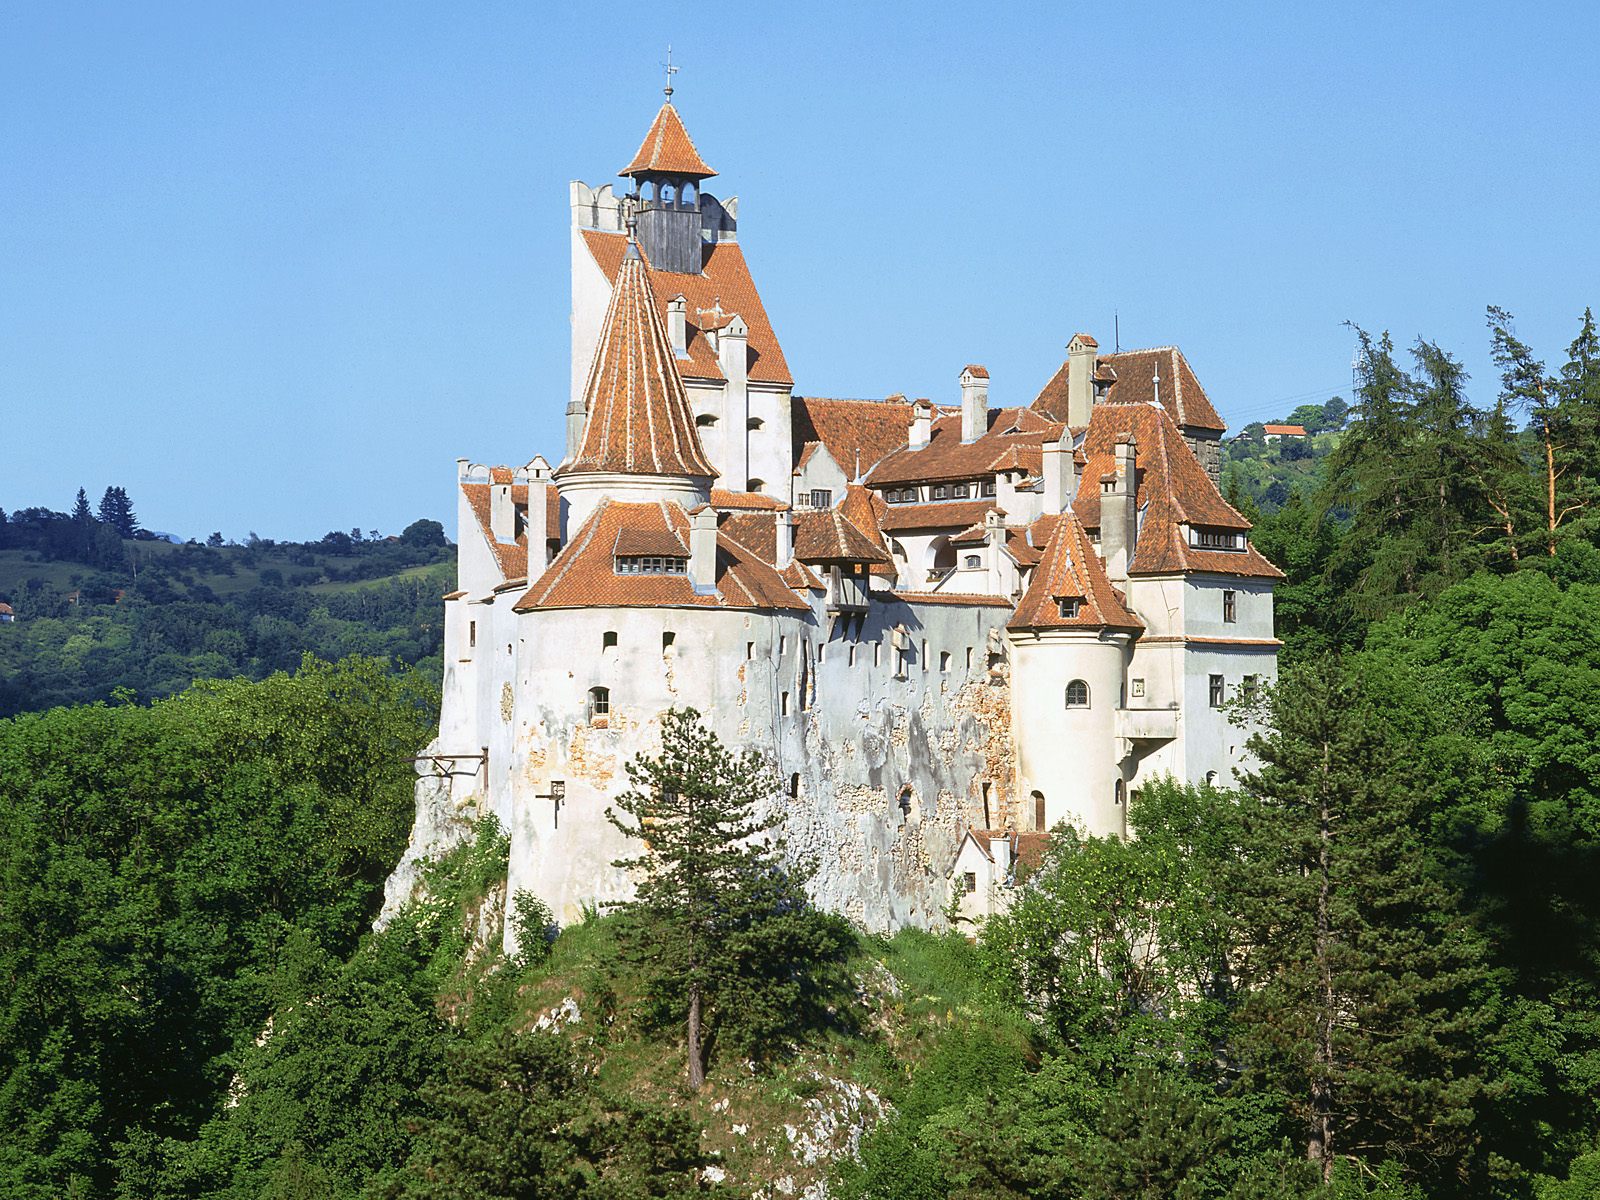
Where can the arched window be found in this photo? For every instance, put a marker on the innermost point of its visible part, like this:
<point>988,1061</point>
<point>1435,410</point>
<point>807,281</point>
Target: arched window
<point>1119,791</point>
<point>599,702</point>
<point>1038,811</point>
<point>1077,694</point>
<point>754,423</point>
<point>706,420</point>
<point>941,556</point>
<point>754,485</point>
<point>647,193</point>
<point>972,561</point>
<point>669,196</point>
<point>608,640</point>
<point>686,195</point>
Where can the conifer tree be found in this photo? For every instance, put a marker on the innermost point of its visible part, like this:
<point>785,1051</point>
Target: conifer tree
<point>1363,981</point>
<point>81,514</point>
<point>719,918</point>
<point>1577,391</point>
<point>116,510</point>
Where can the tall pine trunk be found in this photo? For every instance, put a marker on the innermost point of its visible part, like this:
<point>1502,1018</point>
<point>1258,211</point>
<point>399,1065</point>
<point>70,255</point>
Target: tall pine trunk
<point>1550,486</point>
<point>697,1067</point>
<point>1319,1145</point>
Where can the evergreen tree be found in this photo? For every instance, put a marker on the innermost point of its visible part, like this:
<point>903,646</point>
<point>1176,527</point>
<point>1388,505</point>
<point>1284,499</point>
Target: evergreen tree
<point>719,922</point>
<point>1363,982</point>
<point>1577,391</point>
<point>84,528</point>
<point>116,510</point>
<point>81,514</point>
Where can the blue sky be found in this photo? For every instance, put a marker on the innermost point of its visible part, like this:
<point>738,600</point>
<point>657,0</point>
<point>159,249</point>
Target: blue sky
<point>274,267</point>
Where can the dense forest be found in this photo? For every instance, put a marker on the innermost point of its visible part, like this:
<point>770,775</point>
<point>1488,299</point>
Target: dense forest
<point>103,607</point>
<point>1369,968</point>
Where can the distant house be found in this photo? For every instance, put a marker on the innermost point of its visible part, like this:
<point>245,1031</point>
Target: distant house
<point>1276,433</point>
<point>6,614</point>
<point>986,869</point>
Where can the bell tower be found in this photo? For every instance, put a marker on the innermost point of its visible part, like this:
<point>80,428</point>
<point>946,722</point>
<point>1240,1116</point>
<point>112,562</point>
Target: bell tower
<point>667,173</point>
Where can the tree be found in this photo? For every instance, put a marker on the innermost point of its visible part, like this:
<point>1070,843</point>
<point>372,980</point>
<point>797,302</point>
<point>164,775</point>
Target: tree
<point>719,922</point>
<point>1363,983</point>
<point>423,533</point>
<point>80,509</point>
<point>1525,387</point>
<point>116,510</point>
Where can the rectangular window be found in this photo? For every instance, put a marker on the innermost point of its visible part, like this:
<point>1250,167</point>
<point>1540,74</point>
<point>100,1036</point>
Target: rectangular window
<point>472,633</point>
<point>944,660</point>
<point>608,640</point>
<point>1216,691</point>
<point>969,882</point>
<point>749,651</point>
<point>1230,606</point>
<point>960,491</point>
<point>987,487</point>
<point>940,491</point>
<point>1249,686</point>
<point>1138,689</point>
<point>1068,609</point>
<point>1212,539</point>
<point>821,498</point>
<point>877,654</point>
<point>924,654</point>
<point>651,564</point>
<point>850,655</point>
<point>969,667</point>
<point>783,643</point>
<point>783,705</point>
<point>667,638</point>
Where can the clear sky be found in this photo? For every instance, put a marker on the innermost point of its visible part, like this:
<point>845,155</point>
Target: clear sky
<point>273,267</point>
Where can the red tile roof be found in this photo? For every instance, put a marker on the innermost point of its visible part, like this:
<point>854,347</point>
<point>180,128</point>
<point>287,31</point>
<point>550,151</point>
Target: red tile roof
<point>854,431</point>
<point>722,498</point>
<point>941,515</point>
<point>1134,372</point>
<point>513,556</point>
<point>828,536</point>
<point>584,573</point>
<point>977,371</point>
<point>1013,441</point>
<point>639,419</point>
<point>724,280</point>
<point>1286,430</point>
<point>1071,570</point>
<point>667,149</point>
<point>972,599</point>
<point>1172,489</point>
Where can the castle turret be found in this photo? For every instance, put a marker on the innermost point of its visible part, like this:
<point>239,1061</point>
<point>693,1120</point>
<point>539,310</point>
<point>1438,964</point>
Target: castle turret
<point>639,439</point>
<point>667,172</point>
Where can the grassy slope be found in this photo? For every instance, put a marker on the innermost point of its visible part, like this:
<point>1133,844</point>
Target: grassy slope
<point>783,1125</point>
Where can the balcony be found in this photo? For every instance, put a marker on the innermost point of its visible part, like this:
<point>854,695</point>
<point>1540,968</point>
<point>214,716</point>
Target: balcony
<point>1147,724</point>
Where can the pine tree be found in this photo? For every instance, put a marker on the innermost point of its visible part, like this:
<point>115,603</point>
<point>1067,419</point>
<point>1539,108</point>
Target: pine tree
<point>719,921</point>
<point>116,510</point>
<point>81,513</point>
<point>1577,391</point>
<point>1363,982</point>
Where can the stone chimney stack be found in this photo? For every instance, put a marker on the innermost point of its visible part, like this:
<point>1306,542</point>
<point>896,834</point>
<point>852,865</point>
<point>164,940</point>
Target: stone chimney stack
<point>921,424</point>
<point>974,402</point>
<point>538,474</point>
<point>785,546</point>
<point>1000,851</point>
<point>703,549</point>
<point>502,513</point>
<point>1119,512</point>
<point>1081,354</point>
<point>678,325</point>
<point>577,417</point>
<point>1060,476</point>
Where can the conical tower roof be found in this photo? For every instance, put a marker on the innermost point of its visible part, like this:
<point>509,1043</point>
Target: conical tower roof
<point>667,149</point>
<point>639,420</point>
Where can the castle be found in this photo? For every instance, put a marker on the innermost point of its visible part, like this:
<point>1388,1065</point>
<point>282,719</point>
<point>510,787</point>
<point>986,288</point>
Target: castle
<point>948,626</point>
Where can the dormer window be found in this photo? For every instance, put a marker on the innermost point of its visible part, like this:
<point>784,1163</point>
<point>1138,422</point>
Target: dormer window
<point>960,491</point>
<point>972,562</point>
<point>986,488</point>
<point>940,492</point>
<point>651,564</point>
<point>821,498</point>
<point>1216,539</point>
<point>1068,607</point>
<point>901,495</point>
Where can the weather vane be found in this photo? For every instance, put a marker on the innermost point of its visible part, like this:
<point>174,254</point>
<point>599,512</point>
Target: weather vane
<point>671,71</point>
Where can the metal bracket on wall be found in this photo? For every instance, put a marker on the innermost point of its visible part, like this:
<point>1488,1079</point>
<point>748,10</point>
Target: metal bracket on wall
<point>443,764</point>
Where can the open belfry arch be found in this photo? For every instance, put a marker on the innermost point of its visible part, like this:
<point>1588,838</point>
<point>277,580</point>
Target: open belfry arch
<point>949,623</point>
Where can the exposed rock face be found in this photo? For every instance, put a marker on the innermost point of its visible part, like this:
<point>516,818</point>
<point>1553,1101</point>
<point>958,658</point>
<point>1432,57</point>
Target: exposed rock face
<point>441,824</point>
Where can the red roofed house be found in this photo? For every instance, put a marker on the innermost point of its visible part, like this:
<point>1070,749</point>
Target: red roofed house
<point>6,614</point>
<point>948,626</point>
<point>1277,433</point>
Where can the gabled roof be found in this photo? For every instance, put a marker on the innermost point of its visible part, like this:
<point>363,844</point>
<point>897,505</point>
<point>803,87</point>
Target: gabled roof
<point>1286,430</point>
<point>828,536</point>
<point>854,431</point>
<point>639,419</point>
<point>1070,570</point>
<point>1013,441</point>
<point>1172,489</point>
<point>667,149</point>
<point>584,573</point>
<point>724,280</point>
<point>943,514</point>
<point>1134,374</point>
<point>513,556</point>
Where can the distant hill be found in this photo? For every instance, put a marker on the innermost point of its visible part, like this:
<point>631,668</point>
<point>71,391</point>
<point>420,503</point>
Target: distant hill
<point>97,613</point>
<point>1270,466</point>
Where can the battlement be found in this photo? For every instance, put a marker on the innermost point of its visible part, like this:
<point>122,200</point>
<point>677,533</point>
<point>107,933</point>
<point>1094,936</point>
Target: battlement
<point>602,210</point>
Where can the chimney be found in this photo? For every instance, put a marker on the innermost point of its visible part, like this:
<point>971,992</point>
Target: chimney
<point>974,402</point>
<point>703,549</point>
<point>538,473</point>
<point>1080,379</point>
<point>733,355</point>
<point>502,514</point>
<point>1119,512</point>
<point>921,424</point>
<point>577,417</point>
<point>1000,851</point>
<point>678,325</point>
<point>1060,476</point>
<point>785,531</point>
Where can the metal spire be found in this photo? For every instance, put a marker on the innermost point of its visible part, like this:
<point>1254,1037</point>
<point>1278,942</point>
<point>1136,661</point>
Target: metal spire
<point>671,71</point>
